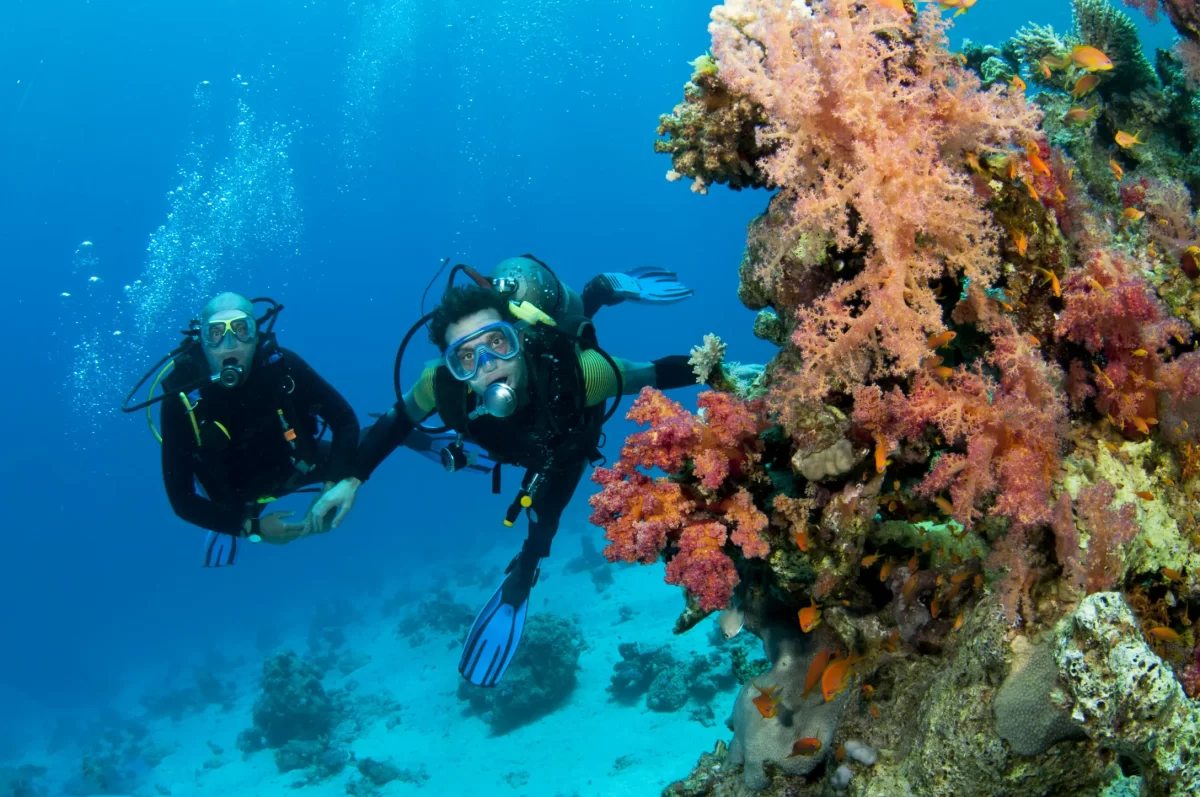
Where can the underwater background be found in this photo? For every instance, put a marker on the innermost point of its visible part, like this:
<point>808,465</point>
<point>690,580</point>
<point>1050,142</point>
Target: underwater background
<point>329,154</point>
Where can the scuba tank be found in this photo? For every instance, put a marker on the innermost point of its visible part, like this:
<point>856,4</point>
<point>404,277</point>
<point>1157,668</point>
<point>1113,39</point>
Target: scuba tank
<point>527,279</point>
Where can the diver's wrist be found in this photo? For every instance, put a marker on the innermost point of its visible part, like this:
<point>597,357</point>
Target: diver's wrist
<point>353,481</point>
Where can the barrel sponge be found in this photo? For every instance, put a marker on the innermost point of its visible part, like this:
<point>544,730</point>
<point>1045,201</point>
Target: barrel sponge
<point>1029,706</point>
<point>758,740</point>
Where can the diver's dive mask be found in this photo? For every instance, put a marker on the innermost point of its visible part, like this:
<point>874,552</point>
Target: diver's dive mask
<point>242,327</point>
<point>467,355</point>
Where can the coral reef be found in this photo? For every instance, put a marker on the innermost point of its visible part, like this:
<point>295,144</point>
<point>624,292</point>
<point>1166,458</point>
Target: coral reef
<point>293,705</point>
<point>541,676</point>
<point>964,490</point>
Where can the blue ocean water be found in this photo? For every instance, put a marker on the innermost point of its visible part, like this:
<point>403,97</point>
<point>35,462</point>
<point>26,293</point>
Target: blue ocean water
<point>329,154</point>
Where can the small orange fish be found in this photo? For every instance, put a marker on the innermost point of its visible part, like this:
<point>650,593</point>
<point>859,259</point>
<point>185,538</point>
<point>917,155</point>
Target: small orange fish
<point>1118,172</point>
<point>1081,116</point>
<point>801,539</point>
<point>1132,214</point>
<point>912,563</point>
<point>1145,495</point>
<point>1138,423</point>
<point>943,373</point>
<point>819,663</point>
<point>1084,85</point>
<point>1059,196</point>
<point>1033,341</point>
<point>874,709</point>
<point>840,753</point>
<point>1017,84</point>
<point>836,675</point>
<point>958,621</point>
<point>960,5</point>
<point>1021,241</point>
<point>766,702</point>
<point>868,691</point>
<point>978,580</point>
<point>1051,280</point>
<point>1125,141</point>
<point>881,452</point>
<point>909,590</point>
<point>810,616</point>
<point>895,5</point>
<point>944,505</point>
<point>1091,59</point>
<point>959,578</point>
<point>1092,281</point>
<point>1104,376</point>
<point>934,608</point>
<point>1012,169</point>
<point>1161,632</point>
<point>1171,575</point>
<point>941,339</point>
<point>809,745</point>
<point>870,560</point>
<point>886,570</point>
<point>1111,446</point>
<point>1140,352</point>
<point>1033,154</point>
<point>1044,68</point>
<point>1032,191</point>
<point>973,162</point>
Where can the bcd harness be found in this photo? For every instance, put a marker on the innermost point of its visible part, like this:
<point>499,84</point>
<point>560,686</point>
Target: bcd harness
<point>211,435</point>
<point>558,426</point>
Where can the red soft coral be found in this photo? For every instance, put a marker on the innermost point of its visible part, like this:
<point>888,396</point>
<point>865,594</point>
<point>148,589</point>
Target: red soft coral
<point>1110,309</point>
<point>691,514</point>
<point>867,135</point>
<point>702,568</point>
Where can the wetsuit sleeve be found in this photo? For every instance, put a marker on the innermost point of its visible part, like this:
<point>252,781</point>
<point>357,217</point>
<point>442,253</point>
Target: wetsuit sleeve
<point>179,476</point>
<point>389,432</point>
<point>666,373</point>
<point>313,391</point>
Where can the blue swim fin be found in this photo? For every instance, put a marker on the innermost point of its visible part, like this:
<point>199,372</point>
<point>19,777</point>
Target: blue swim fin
<point>494,637</point>
<point>220,550</point>
<point>648,285</point>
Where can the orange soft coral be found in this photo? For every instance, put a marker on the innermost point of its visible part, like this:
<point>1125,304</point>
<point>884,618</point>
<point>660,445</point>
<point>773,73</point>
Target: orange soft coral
<point>869,121</point>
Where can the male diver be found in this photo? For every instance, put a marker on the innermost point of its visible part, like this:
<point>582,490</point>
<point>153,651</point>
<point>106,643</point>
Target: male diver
<point>523,377</point>
<point>245,430</point>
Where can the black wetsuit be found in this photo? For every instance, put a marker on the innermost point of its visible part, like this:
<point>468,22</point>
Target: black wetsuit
<point>255,460</point>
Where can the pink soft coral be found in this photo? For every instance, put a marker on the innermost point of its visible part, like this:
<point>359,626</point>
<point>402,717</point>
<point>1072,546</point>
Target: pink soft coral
<point>702,505</point>
<point>869,120</point>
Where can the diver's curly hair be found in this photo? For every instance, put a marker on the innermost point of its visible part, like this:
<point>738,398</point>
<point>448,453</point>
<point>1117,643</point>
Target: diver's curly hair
<point>461,301</point>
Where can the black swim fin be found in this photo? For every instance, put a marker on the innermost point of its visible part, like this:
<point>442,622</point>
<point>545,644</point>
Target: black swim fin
<point>494,637</point>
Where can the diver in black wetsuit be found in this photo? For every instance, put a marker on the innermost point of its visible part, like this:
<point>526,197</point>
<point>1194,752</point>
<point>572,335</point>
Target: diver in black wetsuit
<point>248,434</point>
<point>524,378</point>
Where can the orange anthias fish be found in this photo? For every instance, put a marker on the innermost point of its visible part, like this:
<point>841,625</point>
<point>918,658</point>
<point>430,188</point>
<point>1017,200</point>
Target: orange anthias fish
<point>766,702</point>
<point>1084,85</point>
<point>810,616</point>
<point>819,663</point>
<point>881,452</point>
<point>870,560</point>
<point>836,676</point>
<point>1125,141</point>
<point>1132,214</point>
<point>1118,172</point>
<point>895,5</point>
<point>886,570</point>
<point>1052,281</point>
<point>1021,241</point>
<point>1081,116</point>
<point>941,339</point>
<point>801,538</point>
<point>1018,84</point>
<point>1163,633</point>
<point>809,745</point>
<point>1039,166</point>
<point>1091,59</point>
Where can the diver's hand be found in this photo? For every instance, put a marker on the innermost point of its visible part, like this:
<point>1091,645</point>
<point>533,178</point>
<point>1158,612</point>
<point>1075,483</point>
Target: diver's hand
<point>274,530</point>
<point>338,500</point>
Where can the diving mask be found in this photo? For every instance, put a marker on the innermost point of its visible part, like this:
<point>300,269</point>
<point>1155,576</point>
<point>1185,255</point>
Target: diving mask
<point>242,327</point>
<point>465,356</point>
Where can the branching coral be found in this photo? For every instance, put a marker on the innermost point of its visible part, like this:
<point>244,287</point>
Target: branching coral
<point>692,516</point>
<point>869,118</point>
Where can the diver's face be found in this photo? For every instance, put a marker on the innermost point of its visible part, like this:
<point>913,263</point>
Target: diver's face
<point>493,370</point>
<point>222,344</point>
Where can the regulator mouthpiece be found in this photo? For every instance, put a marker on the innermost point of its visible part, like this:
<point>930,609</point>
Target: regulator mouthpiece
<point>499,401</point>
<point>230,375</point>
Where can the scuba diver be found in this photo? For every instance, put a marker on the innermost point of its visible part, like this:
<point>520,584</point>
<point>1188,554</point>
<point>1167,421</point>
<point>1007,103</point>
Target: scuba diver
<point>239,421</point>
<point>523,377</point>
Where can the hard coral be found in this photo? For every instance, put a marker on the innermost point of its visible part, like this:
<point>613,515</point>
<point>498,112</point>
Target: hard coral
<point>869,118</point>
